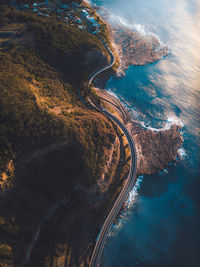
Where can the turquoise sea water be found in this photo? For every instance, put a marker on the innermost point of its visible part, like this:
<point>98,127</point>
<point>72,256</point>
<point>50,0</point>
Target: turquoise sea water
<point>161,223</point>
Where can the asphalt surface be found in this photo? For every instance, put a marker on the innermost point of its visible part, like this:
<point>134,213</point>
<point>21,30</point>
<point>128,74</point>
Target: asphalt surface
<point>99,246</point>
<point>112,62</point>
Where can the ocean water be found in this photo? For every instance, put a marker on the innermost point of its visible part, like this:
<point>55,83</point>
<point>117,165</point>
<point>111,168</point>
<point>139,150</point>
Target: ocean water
<point>161,223</point>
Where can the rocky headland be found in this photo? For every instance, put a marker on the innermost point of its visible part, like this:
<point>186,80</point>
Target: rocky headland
<point>155,149</point>
<point>136,49</point>
<point>132,43</point>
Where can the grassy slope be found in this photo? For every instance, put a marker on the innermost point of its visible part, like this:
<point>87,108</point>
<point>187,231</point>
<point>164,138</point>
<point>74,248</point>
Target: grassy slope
<point>39,107</point>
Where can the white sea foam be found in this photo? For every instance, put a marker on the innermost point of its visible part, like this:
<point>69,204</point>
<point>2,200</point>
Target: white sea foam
<point>135,27</point>
<point>125,104</point>
<point>112,93</point>
<point>182,152</point>
<point>174,120</point>
<point>134,192</point>
<point>171,120</point>
<point>134,113</point>
<point>128,204</point>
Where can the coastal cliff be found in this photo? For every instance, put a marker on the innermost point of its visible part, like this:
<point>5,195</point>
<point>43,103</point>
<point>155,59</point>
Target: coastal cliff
<point>62,163</point>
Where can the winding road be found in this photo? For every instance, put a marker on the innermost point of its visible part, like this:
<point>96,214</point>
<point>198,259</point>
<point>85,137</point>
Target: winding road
<point>99,246</point>
<point>112,62</point>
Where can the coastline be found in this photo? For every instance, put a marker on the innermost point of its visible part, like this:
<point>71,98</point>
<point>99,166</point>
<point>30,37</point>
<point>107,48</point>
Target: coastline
<point>167,202</point>
<point>116,107</point>
<point>130,45</point>
<point>160,155</point>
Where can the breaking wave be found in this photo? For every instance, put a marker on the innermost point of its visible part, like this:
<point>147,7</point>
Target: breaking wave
<point>134,192</point>
<point>135,27</point>
<point>171,120</point>
<point>112,94</point>
<point>181,152</point>
<point>128,204</point>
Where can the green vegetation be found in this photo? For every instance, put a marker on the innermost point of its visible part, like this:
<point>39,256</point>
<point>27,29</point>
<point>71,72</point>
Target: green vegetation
<point>24,124</point>
<point>61,45</point>
<point>51,142</point>
<point>28,76</point>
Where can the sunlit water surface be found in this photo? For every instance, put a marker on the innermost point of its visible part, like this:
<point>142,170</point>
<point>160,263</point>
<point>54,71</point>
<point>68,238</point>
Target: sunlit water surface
<point>161,223</point>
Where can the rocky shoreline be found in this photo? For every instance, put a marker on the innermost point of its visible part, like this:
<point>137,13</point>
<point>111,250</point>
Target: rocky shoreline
<point>37,218</point>
<point>133,46</point>
<point>155,149</point>
<point>135,49</point>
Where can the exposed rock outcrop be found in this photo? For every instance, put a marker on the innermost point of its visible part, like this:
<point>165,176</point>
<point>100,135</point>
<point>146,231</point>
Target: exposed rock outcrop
<point>155,149</point>
<point>133,44</point>
<point>137,49</point>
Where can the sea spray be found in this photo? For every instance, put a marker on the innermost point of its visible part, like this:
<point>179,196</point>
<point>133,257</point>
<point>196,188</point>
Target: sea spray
<point>171,120</point>
<point>125,104</point>
<point>181,152</point>
<point>135,27</point>
<point>134,193</point>
<point>132,197</point>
